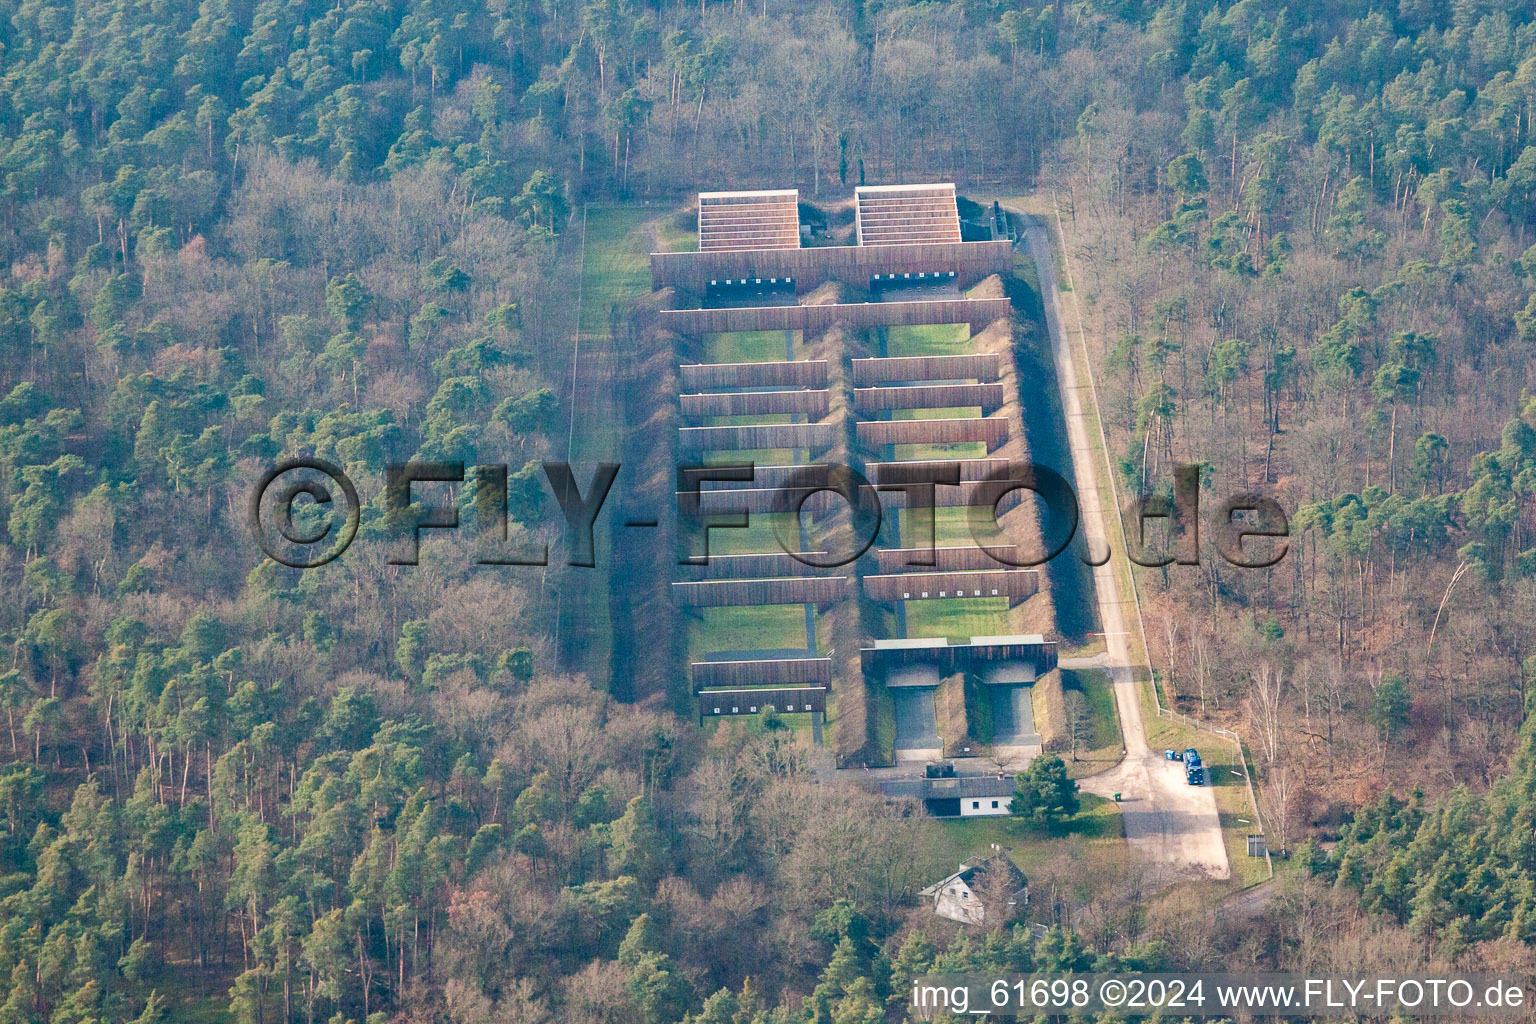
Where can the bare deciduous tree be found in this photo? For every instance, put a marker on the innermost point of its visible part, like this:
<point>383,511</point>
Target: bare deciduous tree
<point>1079,720</point>
<point>1264,709</point>
<point>1200,650</point>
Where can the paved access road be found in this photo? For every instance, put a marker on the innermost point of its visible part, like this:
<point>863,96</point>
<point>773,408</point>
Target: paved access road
<point>1172,826</point>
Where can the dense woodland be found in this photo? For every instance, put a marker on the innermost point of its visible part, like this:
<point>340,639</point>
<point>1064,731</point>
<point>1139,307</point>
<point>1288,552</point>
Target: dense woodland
<point>239,230</point>
<point>1312,273</point>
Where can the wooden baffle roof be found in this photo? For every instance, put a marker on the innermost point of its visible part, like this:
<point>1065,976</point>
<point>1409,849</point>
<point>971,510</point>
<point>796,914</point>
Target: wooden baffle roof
<point>906,214</point>
<point>991,429</point>
<point>944,559</point>
<point>815,404</point>
<point>1014,584</point>
<point>708,376</point>
<point>758,436</point>
<point>925,396</point>
<point>747,702</point>
<point>742,221</point>
<point>762,673</point>
<point>778,590</point>
<point>982,366</point>
<point>948,657</point>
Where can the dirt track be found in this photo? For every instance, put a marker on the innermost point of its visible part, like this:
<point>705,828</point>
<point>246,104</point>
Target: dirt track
<point>1173,827</point>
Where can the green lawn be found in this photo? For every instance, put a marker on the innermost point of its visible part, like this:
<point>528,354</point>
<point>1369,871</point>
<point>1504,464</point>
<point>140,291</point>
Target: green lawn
<point>746,347</point>
<point>957,617</point>
<point>759,457</point>
<point>961,413</point>
<point>757,537</point>
<point>940,452</point>
<point>934,340</point>
<point>765,627</point>
<point>951,529</point>
<point>615,264</point>
<point>672,237</point>
<point>1095,830</point>
<point>929,340</point>
<point>752,420</point>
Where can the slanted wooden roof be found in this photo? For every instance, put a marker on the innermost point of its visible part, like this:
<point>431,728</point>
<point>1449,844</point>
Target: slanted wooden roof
<point>778,590</point>
<point>744,221</point>
<point>991,429</point>
<point>749,702</point>
<point>762,673</point>
<point>758,436</point>
<point>982,366</point>
<point>988,397</point>
<point>906,214</point>
<point>708,376</point>
<point>920,586</point>
<point>767,403</point>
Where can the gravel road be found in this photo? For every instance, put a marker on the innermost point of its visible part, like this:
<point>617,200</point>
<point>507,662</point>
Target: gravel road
<point>1172,826</point>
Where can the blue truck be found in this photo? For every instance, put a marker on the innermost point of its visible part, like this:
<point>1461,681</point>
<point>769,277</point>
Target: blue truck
<point>1194,770</point>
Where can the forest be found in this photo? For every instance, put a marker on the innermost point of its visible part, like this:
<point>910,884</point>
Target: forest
<point>244,229</point>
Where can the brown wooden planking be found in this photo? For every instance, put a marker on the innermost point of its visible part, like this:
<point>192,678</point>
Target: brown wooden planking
<point>1014,584</point>
<point>755,566</point>
<point>755,437</point>
<point>786,700</point>
<point>927,396</point>
<point>815,319</point>
<point>767,500</point>
<point>779,590</point>
<point>766,672</point>
<point>709,376</point>
<point>755,403</point>
<point>945,559</point>
<point>982,366</point>
<point>991,429</point>
<point>692,272</point>
<point>923,469</point>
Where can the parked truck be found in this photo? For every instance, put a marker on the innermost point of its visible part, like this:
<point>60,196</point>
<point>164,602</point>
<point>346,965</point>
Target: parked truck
<point>1194,770</point>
